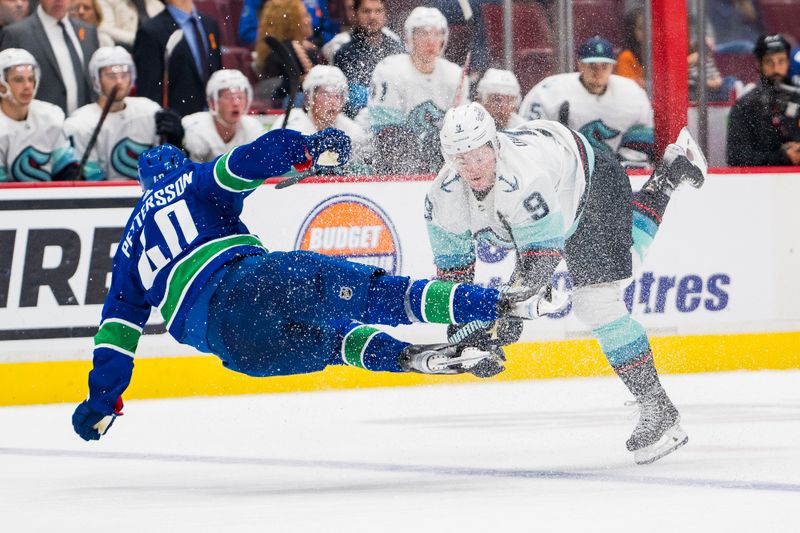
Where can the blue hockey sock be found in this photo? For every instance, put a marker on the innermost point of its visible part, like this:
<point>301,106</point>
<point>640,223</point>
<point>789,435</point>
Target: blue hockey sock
<point>445,302</point>
<point>371,349</point>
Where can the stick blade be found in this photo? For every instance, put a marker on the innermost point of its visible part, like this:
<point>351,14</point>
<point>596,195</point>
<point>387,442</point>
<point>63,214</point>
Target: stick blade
<point>172,42</point>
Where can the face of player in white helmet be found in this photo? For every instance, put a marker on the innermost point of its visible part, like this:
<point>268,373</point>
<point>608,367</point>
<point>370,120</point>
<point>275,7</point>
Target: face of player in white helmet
<point>500,107</point>
<point>477,167</point>
<point>327,104</point>
<point>116,76</point>
<point>22,83</point>
<point>231,105</point>
<point>427,44</point>
<point>595,76</point>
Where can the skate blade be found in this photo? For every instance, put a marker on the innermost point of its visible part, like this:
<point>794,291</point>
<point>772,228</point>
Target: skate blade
<point>673,438</point>
<point>468,358</point>
<point>693,152</point>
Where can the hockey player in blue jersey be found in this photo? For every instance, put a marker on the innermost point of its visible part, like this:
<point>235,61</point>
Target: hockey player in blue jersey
<point>186,252</point>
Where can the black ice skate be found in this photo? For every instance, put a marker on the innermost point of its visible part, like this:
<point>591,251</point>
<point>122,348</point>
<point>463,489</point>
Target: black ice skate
<point>658,432</point>
<point>683,162</point>
<point>451,359</point>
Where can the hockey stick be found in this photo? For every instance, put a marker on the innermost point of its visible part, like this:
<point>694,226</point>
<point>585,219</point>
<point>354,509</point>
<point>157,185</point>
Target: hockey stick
<point>292,70</point>
<point>466,10</point>
<point>96,132</point>
<point>172,42</point>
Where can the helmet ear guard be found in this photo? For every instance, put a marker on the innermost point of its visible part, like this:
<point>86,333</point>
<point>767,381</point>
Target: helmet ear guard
<point>157,162</point>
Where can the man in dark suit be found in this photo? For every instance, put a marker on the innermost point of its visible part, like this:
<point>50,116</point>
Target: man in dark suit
<point>193,60</point>
<point>62,47</point>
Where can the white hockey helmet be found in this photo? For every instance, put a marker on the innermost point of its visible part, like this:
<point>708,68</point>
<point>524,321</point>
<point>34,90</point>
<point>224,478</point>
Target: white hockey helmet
<point>324,76</point>
<point>110,56</point>
<point>425,17</point>
<point>14,57</point>
<point>228,78</point>
<point>498,81</point>
<point>466,128</point>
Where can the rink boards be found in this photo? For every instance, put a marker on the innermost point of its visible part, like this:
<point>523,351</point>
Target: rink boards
<point>717,291</point>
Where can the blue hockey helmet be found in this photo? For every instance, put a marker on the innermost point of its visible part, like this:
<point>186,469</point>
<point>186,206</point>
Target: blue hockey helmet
<point>156,162</point>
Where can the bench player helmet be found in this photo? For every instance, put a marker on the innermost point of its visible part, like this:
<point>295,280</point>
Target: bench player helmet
<point>110,56</point>
<point>425,17</point>
<point>15,57</point>
<point>228,78</point>
<point>157,162</point>
<point>324,76</point>
<point>466,128</point>
<point>497,81</point>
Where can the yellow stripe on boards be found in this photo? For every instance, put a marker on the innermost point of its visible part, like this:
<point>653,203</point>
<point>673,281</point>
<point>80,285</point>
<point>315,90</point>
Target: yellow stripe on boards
<point>169,377</point>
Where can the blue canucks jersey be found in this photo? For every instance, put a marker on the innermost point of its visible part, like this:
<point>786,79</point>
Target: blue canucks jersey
<point>185,228</point>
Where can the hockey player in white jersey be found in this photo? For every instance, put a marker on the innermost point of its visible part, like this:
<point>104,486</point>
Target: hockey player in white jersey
<point>611,111</point>
<point>226,124</point>
<point>499,93</point>
<point>325,95</point>
<point>133,123</point>
<point>32,142</point>
<point>543,191</point>
<point>409,95</point>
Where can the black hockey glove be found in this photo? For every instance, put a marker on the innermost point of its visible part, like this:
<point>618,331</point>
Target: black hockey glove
<point>70,172</point>
<point>90,424</point>
<point>169,126</point>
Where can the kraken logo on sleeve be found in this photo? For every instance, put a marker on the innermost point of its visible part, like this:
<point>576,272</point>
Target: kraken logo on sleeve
<point>125,157</point>
<point>28,165</point>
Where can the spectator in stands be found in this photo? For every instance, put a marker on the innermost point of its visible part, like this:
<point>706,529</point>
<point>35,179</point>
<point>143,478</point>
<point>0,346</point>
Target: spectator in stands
<point>499,93</point>
<point>737,24</point>
<point>32,142</point>
<point>718,89</point>
<point>12,11</point>
<point>193,60</point>
<point>761,130</point>
<point>287,21</point>
<point>630,62</point>
<point>133,124</point>
<point>409,96</point>
<point>121,18</point>
<point>612,112</point>
<point>89,12</point>
<point>226,124</point>
<point>371,42</point>
<point>325,90</point>
<point>62,48</point>
<point>323,28</point>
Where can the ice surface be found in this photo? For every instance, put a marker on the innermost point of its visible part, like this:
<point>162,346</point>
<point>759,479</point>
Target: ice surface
<point>490,457</point>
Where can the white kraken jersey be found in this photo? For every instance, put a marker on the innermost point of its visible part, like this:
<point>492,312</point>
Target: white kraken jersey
<point>534,204</point>
<point>203,142</point>
<point>34,149</point>
<point>619,121</point>
<point>400,94</point>
<point>300,121</point>
<point>124,136</point>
